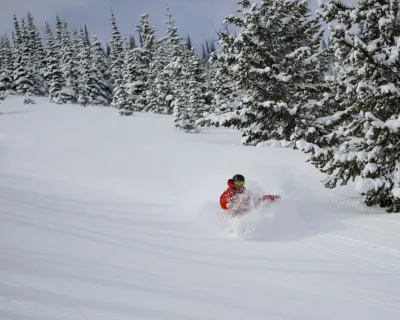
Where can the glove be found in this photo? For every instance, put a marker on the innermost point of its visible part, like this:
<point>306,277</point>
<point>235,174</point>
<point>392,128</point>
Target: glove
<point>229,205</point>
<point>270,197</point>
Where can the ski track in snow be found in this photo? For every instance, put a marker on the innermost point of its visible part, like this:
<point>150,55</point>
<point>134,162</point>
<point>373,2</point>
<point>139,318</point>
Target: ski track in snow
<point>108,217</point>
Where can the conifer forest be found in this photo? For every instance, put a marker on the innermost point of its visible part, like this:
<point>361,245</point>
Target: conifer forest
<point>324,82</point>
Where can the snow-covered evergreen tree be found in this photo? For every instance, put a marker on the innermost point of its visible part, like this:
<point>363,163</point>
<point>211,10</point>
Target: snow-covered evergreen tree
<point>5,63</point>
<point>198,89</point>
<point>85,79</point>
<point>16,38</point>
<point>120,98</point>
<point>59,28</point>
<point>157,82</point>
<point>183,113</point>
<point>164,73</point>
<point>143,56</point>
<point>275,60</point>
<point>108,50</point>
<point>225,92</point>
<point>173,52</point>
<point>87,36</point>
<point>116,56</point>
<point>3,85</point>
<point>22,63</point>
<point>186,80</point>
<point>100,88</point>
<point>76,48</point>
<point>37,56</point>
<point>204,55</point>
<point>212,48</point>
<point>207,49</point>
<point>69,66</point>
<point>363,144</point>
<point>189,105</point>
<point>132,42</point>
<point>75,40</point>
<point>53,74</point>
<point>189,43</point>
<point>3,91</point>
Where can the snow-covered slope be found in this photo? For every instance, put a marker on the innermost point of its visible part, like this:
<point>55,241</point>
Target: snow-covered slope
<point>109,217</point>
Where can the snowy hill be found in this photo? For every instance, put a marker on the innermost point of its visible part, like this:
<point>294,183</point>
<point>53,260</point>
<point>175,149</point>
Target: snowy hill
<point>109,217</point>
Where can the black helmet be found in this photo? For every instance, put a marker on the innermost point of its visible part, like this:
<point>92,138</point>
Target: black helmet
<point>238,180</point>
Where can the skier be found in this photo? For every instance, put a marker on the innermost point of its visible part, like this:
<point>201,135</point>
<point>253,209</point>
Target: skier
<point>236,198</point>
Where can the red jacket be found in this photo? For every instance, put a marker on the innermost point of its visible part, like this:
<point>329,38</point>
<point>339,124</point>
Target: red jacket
<point>233,192</point>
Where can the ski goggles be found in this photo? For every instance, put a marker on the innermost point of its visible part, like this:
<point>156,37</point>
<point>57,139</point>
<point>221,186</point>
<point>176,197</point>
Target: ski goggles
<point>239,183</point>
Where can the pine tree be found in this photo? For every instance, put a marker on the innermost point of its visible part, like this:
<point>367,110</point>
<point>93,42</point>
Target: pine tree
<point>23,66</point>
<point>3,91</point>
<point>173,52</point>
<point>87,37</point>
<point>160,82</point>
<point>140,40</point>
<point>189,105</point>
<point>53,75</point>
<point>225,100</point>
<point>59,28</point>
<point>15,50</point>
<point>37,56</point>
<point>143,56</point>
<point>85,80</point>
<point>157,81</point>
<point>363,144</point>
<point>204,54</point>
<point>212,48</point>
<point>14,57</point>
<point>313,98</point>
<point>198,89</point>
<point>275,61</point>
<point>207,50</point>
<point>116,50</point>
<point>5,63</point>
<point>17,31</point>
<point>100,91</point>
<point>132,42</point>
<point>76,46</point>
<point>237,56</point>
<point>3,77</point>
<point>183,113</point>
<point>120,98</point>
<point>189,43</point>
<point>108,50</point>
<point>69,66</point>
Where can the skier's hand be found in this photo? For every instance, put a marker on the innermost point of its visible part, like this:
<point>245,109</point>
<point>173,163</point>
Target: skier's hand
<point>277,196</point>
<point>270,197</point>
<point>229,205</point>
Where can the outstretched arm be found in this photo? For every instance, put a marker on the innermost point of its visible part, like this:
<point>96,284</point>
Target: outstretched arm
<point>270,197</point>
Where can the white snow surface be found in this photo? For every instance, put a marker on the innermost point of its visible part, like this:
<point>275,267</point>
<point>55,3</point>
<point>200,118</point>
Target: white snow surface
<point>110,217</point>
